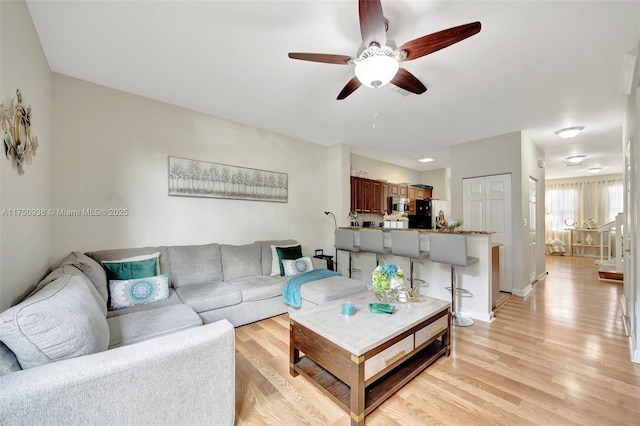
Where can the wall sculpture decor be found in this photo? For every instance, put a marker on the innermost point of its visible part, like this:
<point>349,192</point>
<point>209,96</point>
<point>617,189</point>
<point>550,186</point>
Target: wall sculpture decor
<point>16,125</point>
<point>191,178</point>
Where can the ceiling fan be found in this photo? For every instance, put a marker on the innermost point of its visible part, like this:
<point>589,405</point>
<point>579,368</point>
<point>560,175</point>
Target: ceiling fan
<point>377,60</point>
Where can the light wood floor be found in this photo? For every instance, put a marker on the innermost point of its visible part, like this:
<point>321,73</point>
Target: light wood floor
<point>556,357</point>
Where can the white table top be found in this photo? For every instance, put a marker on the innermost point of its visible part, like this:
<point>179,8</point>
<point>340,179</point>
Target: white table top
<point>363,331</point>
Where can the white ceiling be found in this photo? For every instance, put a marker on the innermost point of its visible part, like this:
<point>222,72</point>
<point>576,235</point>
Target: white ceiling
<point>536,66</point>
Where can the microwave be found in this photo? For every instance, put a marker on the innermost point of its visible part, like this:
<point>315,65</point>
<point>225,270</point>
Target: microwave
<point>399,205</point>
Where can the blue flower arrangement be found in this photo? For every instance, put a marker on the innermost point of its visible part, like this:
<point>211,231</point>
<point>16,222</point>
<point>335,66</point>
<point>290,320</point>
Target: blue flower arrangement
<point>384,276</point>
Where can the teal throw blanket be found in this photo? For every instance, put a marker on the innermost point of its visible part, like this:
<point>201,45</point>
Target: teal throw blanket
<point>291,293</point>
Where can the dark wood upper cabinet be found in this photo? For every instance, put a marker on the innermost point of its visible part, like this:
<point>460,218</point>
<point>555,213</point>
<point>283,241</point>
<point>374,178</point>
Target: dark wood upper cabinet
<point>371,196</point>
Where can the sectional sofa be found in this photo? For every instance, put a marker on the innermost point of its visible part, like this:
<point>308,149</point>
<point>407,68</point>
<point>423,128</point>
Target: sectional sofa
<point>68,356</point>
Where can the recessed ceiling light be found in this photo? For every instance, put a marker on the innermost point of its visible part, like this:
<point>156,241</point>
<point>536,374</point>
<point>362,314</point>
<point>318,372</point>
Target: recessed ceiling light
<point>594,170</point>
<point>426,160</point>
<point>569,132</point>
<point>575,159</point>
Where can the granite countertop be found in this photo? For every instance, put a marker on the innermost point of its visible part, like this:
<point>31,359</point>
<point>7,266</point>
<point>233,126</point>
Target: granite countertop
<point>357,228</point>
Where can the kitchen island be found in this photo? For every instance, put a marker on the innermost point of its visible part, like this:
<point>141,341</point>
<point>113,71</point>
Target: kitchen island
<point>476,278</point>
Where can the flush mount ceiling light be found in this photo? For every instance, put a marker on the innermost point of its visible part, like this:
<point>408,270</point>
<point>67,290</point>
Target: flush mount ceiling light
<point>594,170</point>
<point>574,160</point>
<point>426,160</point>
<point>569,132</point>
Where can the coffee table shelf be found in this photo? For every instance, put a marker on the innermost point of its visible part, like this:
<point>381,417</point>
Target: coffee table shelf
<point>378,391</point>
<point>358,374</point>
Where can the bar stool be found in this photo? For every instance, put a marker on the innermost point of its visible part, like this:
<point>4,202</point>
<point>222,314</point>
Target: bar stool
<point>372,241</point>
<point>407,244</point>
<point>345,240</point>
<point>452,249</point>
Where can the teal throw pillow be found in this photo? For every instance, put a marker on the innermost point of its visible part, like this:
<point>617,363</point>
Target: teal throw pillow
<point>131,270</point>
<point>294,252</point>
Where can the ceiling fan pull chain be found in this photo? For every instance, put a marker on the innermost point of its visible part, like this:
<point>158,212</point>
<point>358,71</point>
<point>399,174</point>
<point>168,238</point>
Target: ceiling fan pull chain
<point>375,112</point>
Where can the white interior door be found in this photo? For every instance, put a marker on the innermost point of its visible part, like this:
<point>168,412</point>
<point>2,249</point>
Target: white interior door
<point>533,231</point>
<point>474,207</point>
<point>487,207</point>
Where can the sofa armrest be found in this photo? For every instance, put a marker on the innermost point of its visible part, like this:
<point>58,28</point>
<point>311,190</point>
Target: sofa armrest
<point>183,378</point>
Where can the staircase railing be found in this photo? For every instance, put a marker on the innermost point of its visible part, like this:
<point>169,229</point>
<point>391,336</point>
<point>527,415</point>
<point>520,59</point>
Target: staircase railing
<point>615,226</point>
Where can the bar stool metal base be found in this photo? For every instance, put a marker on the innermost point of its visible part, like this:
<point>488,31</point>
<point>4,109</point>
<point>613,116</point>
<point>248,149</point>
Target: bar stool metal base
<point>459,320</point>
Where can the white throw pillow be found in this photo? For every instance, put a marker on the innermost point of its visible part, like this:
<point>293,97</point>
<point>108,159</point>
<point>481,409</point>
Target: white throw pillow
<point>297,266</point>
<point>126,293</point>
<point>275,261</point>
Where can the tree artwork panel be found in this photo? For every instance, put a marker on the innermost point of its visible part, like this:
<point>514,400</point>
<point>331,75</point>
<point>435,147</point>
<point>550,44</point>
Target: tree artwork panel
<point>192,178</point>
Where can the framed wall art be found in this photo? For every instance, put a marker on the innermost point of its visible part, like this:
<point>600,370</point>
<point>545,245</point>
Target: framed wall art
<point>193,178</point>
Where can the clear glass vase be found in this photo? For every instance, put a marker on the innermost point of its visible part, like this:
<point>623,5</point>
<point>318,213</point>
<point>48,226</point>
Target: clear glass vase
<point>387,296</point>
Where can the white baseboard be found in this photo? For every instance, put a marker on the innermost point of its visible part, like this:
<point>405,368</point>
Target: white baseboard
<point>522,293</point>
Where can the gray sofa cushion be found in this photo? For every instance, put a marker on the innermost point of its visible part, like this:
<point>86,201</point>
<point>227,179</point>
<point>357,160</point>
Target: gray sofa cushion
<point>240,261</point>
<point>8,361</point>
<point>143,325</point>
<point>195,264</point>
<point>259,287</point>
<point>331,288</point>
<point>63,320</point>
<point>205,297</point>
<point>117,254</point>
<point>266,252</point>
<point>92,269</point>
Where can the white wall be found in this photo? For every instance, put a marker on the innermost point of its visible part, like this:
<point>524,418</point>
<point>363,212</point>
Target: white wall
<point>509,153</point>
<point>24,241</point>
<point>631,141</point>
<point>440,180</point>
<point>530,157</point>
<point>112,150</point>
<point>380,170</point>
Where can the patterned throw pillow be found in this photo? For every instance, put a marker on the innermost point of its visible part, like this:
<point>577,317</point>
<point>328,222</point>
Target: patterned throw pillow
<point>298,266</point>
<point>126,293</point>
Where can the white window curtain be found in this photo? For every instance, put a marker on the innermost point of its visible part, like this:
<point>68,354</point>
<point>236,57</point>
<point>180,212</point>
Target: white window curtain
<point>575,202</point>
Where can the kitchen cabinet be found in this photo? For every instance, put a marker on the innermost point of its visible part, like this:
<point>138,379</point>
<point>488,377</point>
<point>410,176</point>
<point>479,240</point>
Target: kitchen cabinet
<point>376,197</point>
<point>365,195</point>
<point>385,191</point>
<point>371,196</point>
<point>398,190</point>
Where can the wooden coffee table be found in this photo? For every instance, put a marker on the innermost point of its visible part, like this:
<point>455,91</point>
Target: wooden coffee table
<point>361,360</point>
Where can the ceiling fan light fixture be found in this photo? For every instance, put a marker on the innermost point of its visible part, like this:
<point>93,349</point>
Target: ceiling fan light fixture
<point>569,132</point>
<point>376,71</point>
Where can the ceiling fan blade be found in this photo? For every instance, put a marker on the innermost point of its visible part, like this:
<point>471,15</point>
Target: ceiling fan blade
<point>407,81</point>
<point>321,57</point>
<point>433,42</point>
<point>351,87</point>
<point>372,26</point>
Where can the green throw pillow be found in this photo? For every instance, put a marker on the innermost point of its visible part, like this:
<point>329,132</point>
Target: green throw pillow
<point>131,270</point>
<point>294,252</point>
